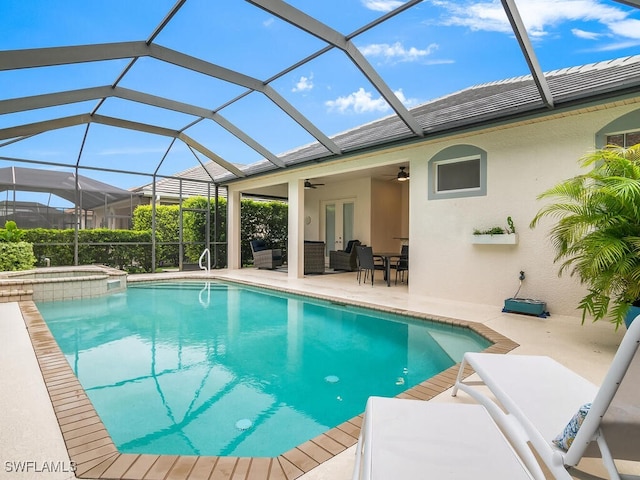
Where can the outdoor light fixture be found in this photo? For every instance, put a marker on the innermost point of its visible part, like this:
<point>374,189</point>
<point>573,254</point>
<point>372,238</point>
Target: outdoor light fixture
<point>402,175</point>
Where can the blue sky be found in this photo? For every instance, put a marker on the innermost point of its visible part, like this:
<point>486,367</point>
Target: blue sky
<point>432,49</point>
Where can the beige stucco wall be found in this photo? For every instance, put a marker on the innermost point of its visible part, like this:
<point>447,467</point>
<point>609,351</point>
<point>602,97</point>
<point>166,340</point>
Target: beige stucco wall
<point>522,162</point>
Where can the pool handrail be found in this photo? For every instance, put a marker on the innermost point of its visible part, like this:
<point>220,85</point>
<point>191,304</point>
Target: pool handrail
<point>207,268</point>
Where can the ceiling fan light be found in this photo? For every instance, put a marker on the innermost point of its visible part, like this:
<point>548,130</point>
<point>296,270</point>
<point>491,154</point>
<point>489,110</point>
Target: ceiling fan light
<point>402,175</point>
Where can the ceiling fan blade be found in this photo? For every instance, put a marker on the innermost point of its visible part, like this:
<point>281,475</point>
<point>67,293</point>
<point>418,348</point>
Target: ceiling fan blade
<point>308,184</point>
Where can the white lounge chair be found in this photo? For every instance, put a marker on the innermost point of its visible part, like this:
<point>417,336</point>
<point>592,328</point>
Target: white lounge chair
<point>414,439</point>
<point>542,396</point>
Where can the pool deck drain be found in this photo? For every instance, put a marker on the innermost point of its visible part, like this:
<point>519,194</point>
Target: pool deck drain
<point>93,452</point>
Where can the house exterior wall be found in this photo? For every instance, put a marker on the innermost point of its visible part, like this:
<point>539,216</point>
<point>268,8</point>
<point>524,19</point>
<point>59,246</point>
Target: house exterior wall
<point>522,162</point>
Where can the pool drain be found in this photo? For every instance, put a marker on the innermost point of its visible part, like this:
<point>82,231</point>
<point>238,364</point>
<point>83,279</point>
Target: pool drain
<point>331,379</point>
<point>244,424</point>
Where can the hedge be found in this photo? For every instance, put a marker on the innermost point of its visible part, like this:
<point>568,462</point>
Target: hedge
<point>16,256</point>
<point>115,248</point>
<point>102,246</point>
<point>167,218</point>
<point>259,219</point>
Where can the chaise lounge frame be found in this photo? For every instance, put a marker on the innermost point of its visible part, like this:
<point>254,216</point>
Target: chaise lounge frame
<point>540,396</point>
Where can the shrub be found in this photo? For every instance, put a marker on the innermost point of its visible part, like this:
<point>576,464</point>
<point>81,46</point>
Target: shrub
<point>16,256</point>
<point>114,248</point>
<point>11,232</point>
<point>167,217</point>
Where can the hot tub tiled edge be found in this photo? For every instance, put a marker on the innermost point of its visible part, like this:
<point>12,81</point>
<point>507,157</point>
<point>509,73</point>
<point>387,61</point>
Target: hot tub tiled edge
<point>61,283</point>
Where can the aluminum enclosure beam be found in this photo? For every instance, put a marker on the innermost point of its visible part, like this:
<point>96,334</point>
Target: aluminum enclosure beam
<point>325,33</point>
<point>97,93</point>
<point>48,125</point>
<point>45,57</point>
<point>527,50</point>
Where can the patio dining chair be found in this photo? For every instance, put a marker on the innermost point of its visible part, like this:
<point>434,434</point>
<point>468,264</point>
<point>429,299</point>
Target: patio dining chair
<point>402,264</point>
<point>562,415</point>
<point>368,263</point>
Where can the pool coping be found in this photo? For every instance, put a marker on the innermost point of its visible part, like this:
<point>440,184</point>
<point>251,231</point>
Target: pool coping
<point>94,454</point>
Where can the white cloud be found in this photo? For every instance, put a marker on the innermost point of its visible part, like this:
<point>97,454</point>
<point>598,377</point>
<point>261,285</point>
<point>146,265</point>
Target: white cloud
<point>407,102</point>
<point>539,16</point>
<point>304,84</point>
<point>612,47</point>
<point>381,5</point>
<point>268,22</point>
<point>397,52</point>
<point>363,102</point>
<point>586,35</point>
<point>629,28</point>
<point>359,102</point>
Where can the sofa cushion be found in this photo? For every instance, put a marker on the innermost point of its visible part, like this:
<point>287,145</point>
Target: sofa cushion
<point>350,245</point>
<point>258,245</point>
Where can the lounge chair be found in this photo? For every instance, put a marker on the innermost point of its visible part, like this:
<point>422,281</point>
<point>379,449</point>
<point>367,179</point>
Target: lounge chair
<point>547,400</point>
<point>413,439</point>
<point>345,259</point>
<point>265,257</point>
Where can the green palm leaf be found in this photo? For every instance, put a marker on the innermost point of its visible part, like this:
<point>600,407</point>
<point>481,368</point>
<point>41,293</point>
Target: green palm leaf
<point>596,236</point>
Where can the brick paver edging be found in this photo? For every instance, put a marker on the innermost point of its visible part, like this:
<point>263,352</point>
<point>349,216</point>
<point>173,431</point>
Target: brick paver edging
<point>91,449</point>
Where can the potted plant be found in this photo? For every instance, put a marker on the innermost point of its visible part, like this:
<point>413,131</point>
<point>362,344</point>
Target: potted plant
<point>496,235</point>
<point>597,234</point>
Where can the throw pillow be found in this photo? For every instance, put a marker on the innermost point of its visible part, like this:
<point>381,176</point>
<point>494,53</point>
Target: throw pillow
<point>568,435</point>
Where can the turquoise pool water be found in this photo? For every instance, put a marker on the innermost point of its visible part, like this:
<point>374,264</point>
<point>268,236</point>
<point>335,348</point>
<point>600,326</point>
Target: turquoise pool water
<point>221,369</point>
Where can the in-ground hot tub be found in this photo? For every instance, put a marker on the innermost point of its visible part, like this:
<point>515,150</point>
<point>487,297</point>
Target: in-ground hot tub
<point>61,283</point>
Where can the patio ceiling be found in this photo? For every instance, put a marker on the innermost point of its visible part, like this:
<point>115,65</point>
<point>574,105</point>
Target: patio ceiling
<point>108,82</point>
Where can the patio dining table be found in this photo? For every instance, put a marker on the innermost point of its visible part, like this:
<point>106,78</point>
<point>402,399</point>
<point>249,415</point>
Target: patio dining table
<point>387,257</point>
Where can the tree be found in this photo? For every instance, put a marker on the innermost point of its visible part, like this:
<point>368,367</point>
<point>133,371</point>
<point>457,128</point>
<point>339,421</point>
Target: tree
<point>597,235</point>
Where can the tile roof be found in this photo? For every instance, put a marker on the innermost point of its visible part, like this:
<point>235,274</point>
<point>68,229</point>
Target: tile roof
<point>476,105</point>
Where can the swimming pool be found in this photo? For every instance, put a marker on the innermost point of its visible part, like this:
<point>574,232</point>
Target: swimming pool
<point>222,369</point>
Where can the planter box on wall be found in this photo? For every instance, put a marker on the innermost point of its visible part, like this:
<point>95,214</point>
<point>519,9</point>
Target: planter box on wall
<point>498,239</point>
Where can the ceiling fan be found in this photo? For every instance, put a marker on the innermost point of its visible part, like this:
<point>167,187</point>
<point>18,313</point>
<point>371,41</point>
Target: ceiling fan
<point>402,175</point>
<point>308,184</point>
